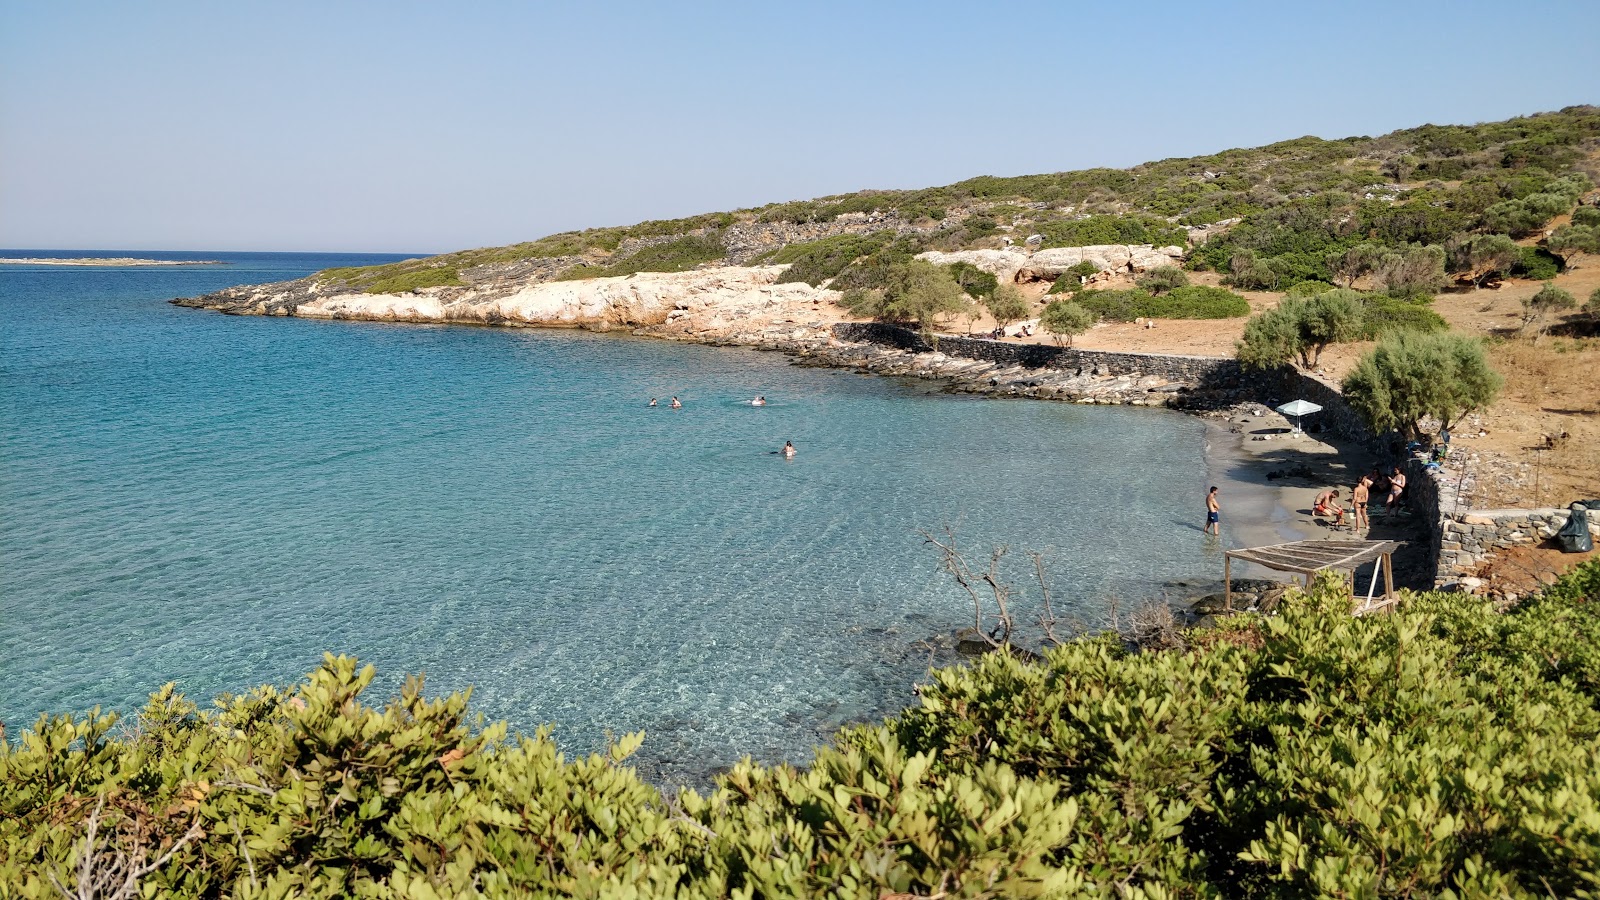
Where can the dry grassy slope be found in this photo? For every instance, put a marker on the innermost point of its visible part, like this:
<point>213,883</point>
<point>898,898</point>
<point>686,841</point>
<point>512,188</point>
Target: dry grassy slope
<point>1552,384</point>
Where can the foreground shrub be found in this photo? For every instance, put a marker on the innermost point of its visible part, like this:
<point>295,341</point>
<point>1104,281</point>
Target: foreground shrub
<point>1443,750</point>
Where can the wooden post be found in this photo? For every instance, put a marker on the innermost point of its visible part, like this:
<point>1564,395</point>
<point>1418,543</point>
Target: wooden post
<point>1388,579</point>
<point>1227,581</point>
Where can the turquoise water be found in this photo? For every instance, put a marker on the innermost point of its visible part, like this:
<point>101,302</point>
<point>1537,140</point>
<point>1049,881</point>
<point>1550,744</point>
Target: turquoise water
<point>217,501</point>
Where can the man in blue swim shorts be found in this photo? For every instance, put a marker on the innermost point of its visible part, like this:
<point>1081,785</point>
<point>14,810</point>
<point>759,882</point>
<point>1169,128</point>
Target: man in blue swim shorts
<point>1212,509</point>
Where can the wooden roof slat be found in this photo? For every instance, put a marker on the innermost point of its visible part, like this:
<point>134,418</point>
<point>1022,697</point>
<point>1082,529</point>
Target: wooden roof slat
<point>1311,556</point>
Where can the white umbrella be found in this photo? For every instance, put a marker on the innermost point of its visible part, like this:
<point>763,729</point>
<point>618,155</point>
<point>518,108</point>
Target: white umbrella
<point>1298,408</point>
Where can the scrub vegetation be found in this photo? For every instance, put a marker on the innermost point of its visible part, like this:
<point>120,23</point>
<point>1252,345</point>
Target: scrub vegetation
<point>1406,208</point>
<point>1443,750</point>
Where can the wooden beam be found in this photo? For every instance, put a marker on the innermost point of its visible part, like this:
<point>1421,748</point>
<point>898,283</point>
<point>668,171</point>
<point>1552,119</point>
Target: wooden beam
<point>1227,581</point>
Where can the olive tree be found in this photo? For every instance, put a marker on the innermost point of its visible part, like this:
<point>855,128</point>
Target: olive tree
<point>1481,256</point>
<point>1007,305</point>
<point>1064,318</point>
<point>1353,262</point>
<point>1537,309</point>
<point>1572,241</point>
<point>1411,375</point>
<point>923,293</point>
<point>1411,271</point>
<point>1300,328</point>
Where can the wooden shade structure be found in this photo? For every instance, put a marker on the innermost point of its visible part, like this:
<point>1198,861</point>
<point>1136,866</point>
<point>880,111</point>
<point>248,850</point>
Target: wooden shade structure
<point>1306,557</point>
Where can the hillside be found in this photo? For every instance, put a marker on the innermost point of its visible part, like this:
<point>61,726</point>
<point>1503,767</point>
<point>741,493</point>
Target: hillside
<point>1286,203</point>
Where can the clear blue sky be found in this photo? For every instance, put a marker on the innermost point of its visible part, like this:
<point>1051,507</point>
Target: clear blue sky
<point>417,127</point>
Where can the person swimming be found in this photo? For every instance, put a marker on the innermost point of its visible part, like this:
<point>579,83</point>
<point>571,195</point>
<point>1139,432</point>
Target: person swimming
<point>675,404</point>
<point>652,401</point>
<point>788,450</point>
<point>759,401</point>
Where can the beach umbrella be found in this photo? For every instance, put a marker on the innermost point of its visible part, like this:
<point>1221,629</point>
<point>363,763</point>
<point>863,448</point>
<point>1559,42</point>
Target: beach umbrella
<point>1298,408</point>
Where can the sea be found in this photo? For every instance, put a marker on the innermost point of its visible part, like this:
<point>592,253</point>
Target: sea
<point>219,501</point>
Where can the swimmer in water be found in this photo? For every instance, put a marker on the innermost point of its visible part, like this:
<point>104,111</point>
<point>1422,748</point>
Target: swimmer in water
<point>788,449</point>
<point>652,401</point>
<point>676,404</point>
<point>759,401</point>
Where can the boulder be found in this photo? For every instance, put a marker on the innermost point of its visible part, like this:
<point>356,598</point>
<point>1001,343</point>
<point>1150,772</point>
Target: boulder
<point>1048,265</point>
<point>1002,264</point>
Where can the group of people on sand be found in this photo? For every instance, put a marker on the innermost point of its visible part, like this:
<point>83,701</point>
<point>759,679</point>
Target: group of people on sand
<point>1328,503</point>
<point>1394,484</point>
<point>788,450</point>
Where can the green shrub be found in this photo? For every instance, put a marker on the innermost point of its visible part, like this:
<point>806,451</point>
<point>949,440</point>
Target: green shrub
<point>1383,315</point>
<point>1586,216</point>
<point>1162,279</point>
<point>1537,263</point>
<point>976,282</point>
<point>1442,750</point>
<point>678,255</point>
<point>1188,302</point>
<point>814,262</point>
<point>1095,230</point>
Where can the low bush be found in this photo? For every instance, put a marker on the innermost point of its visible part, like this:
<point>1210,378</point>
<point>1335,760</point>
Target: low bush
<point>1537,263</point>
<point>814,262</point>
<point>1162,279</point>
<point>1445,749</point>
<point>1383,315</point>
<point>677,255</point>
<point>396,278</point>
<point>1188,302</point>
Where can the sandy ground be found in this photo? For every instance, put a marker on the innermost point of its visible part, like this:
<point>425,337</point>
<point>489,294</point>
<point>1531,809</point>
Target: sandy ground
<point>1268,475</point>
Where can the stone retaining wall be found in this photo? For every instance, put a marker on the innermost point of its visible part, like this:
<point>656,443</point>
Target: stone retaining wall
<point>1043,356</point>
<point>1272,386</point>
<point>1468,538</point>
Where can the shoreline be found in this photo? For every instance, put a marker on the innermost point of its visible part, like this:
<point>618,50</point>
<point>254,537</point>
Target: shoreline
<point>1256,510</point>
<point>109,262</point>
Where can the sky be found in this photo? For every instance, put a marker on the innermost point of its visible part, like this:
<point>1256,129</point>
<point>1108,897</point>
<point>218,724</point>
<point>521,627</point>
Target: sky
<point>428,127</point>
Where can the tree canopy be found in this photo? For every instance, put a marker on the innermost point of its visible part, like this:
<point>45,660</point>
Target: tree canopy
<point>1066,319</point>
<point>1300,329</point>
<point>1410,376</point>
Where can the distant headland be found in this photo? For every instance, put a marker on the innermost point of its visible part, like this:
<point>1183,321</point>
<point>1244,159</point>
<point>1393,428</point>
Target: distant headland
<point>118,261</point>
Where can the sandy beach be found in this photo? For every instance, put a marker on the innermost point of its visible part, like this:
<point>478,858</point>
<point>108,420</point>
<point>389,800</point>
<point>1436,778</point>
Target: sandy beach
<point>1268,475</point>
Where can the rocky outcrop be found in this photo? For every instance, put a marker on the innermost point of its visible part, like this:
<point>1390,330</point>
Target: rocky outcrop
<point>1047,265</point>
<point>1002,264</point>
<point>679,302</point>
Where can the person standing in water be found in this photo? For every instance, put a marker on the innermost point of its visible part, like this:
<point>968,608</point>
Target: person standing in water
<point>1213,511</point>
<point>788,450</point>
<point>675,404</point>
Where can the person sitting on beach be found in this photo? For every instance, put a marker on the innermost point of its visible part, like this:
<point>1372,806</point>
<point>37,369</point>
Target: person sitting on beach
<point>788,450</point>
<point>652,401</point>
<point>675,404</point>
<point>1397,485</point>
<point>1327,504</point>
<point>1359,499</point>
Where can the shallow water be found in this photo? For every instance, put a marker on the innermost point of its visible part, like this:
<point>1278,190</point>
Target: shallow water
<point>218,500</point>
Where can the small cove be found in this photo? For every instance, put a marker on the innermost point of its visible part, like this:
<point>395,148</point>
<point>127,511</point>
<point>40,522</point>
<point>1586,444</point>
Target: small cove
<point>218,501</point>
